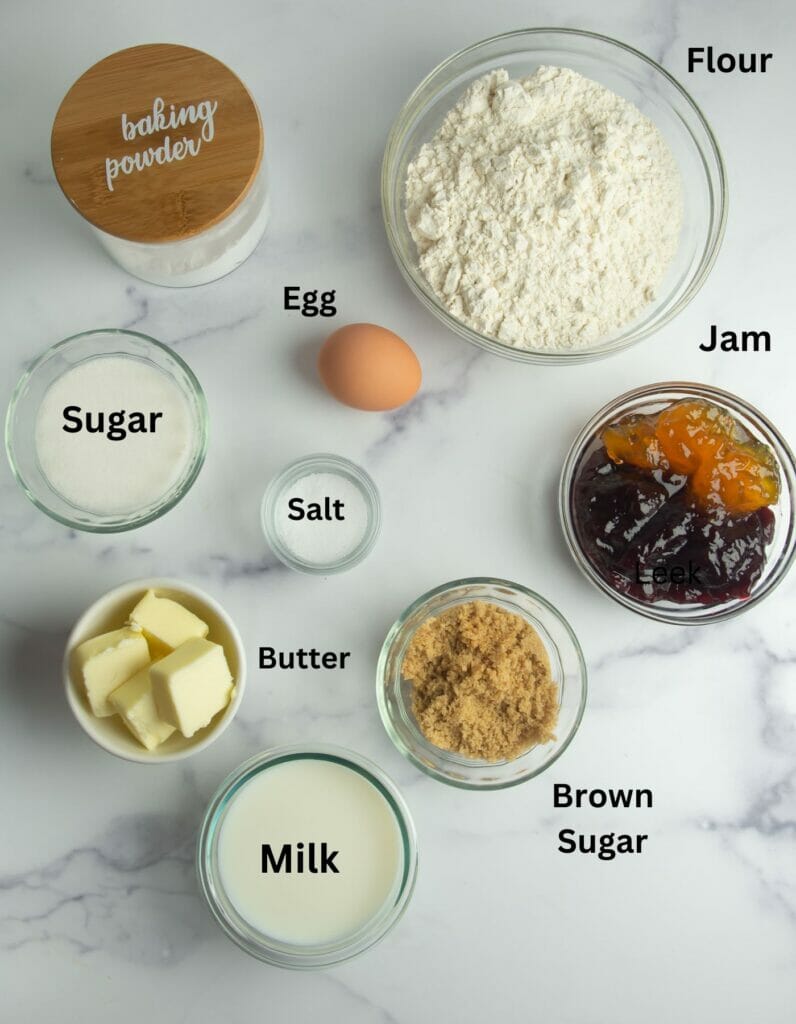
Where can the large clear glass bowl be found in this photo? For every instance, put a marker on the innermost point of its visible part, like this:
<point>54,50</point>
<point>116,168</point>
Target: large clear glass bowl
<point>626,72</point>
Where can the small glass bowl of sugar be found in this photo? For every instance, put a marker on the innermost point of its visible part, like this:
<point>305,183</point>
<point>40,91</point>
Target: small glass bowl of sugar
<point>321,514</point>
<point>107,431</point>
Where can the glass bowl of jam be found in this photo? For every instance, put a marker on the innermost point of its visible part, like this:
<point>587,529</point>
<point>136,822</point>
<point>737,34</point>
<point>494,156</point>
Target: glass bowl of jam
<point>677,500</point>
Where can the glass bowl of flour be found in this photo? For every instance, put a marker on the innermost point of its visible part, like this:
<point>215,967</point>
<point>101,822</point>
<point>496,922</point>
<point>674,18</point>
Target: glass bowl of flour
<point>553,196</point>
<point>107,431</point>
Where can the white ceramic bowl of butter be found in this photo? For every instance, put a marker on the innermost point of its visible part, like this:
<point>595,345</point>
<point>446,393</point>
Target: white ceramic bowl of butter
<point>111,612</point>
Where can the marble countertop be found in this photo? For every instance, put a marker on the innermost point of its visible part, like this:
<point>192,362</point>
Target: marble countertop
<point>100,918</point>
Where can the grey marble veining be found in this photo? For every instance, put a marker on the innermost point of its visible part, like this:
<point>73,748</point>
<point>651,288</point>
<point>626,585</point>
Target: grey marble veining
<point>100,917</point>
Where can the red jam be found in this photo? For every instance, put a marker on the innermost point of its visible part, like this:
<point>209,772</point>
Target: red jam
<point>675,506</point>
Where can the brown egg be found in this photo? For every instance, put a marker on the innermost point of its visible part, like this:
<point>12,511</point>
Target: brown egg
<point>369,367</point>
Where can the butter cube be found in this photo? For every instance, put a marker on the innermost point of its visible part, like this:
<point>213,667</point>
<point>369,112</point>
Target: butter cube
<point>133,700</point>
<point>107,661</point>
<point>166,622</point>
<point>191,685</point>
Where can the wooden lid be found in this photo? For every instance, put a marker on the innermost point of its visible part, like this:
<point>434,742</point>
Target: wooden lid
<point>156,143</point>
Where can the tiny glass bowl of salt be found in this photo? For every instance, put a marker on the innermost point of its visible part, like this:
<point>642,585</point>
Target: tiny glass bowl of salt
<point>107,431</point>
<point>321,514</point>
<point>553,195</point>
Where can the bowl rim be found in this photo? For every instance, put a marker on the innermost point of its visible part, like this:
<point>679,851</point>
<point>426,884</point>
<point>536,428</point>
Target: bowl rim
<point>86,720</point>
<point>382,682</point>
<point>787,466</point>
<point>304,466</point>
<point>133,521</point>
<point>719,208</point>
<point>208,874</point>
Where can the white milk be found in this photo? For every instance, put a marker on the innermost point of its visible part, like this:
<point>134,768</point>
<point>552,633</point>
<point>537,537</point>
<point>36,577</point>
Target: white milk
<point>302,802</point>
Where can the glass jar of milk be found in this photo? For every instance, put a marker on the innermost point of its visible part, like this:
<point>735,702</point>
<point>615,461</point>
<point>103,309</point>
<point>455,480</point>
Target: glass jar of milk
<point>307,856</point>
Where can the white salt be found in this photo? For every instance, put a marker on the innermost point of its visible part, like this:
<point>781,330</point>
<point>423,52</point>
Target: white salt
<point>114,477</point>
<point>321,541</point>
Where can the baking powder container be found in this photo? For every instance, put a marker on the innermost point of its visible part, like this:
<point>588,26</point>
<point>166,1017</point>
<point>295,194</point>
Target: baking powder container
<point>160,149</point>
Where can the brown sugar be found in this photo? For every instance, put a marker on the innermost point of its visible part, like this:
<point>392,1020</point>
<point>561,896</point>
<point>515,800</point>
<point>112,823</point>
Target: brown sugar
<point>482,682</point>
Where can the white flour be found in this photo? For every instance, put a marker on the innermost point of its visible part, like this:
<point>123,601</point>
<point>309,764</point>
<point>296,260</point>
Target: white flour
<point>545,211</point>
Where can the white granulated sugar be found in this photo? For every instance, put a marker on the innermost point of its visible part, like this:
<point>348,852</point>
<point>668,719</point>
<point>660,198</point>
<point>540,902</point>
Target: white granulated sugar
<point>114,477</point>
<point>545,211</point>
<point>321,541</point>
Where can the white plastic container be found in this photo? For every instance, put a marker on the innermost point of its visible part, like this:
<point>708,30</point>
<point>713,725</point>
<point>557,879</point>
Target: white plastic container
<point>160,149</point>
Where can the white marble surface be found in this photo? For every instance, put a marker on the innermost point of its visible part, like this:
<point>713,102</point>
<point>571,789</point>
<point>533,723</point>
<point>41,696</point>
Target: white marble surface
<point>99,913</point>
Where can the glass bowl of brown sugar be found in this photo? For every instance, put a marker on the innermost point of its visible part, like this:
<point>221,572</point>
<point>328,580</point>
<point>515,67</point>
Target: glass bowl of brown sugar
<point>481,683</point>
